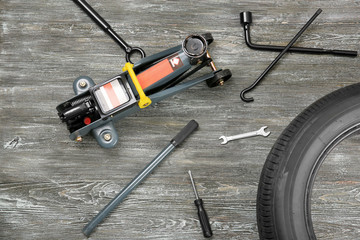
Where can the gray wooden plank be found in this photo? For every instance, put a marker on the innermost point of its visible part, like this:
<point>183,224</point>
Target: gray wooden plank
<point>50,186</point>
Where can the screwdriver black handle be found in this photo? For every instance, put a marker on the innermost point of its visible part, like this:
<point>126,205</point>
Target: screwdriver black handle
<point>204,220</point>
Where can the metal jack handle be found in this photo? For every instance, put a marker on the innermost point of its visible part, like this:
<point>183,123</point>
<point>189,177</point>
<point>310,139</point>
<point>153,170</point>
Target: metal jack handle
<point>107,28</point>
<point>176,141</point>
<point>246,20</point>
<point>278,58</point>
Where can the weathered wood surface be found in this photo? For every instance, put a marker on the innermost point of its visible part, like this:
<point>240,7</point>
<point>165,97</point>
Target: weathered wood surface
<point>50,186</point>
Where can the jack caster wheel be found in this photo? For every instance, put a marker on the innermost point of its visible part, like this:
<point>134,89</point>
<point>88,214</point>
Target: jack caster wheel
<point>220,77</point>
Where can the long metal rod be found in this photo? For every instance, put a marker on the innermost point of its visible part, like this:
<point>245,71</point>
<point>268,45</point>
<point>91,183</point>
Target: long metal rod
<point>178,139</point>
<point>302,30</point>
<point>105,26</point>
<point>87,230</point>
<point>102,24</point>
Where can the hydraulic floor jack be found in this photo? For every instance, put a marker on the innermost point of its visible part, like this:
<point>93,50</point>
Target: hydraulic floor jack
<point>152,79</point>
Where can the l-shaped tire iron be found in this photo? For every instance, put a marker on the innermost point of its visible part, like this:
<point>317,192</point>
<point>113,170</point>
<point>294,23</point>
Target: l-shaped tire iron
<point>246,20</point>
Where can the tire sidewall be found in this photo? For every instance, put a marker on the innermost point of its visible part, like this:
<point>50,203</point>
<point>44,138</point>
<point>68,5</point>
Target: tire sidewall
<point>292,216</point>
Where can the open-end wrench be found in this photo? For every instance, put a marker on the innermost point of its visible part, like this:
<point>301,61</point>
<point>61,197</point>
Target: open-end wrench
<point>260,132</point>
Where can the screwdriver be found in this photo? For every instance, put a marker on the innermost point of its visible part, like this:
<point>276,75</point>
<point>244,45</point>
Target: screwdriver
<point>204,220</point>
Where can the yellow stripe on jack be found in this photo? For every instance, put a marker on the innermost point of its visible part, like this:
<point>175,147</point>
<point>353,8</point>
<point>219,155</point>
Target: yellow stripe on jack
<point>144,100</point>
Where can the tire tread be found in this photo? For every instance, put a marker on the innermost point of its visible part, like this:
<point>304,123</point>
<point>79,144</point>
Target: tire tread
<point>276,156</point>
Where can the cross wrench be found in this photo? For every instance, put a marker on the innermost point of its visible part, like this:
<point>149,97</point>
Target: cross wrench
<point>260,132</point>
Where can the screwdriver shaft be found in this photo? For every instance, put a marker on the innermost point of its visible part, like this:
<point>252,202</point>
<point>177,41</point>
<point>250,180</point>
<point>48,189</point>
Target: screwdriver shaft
<point>193,185</point>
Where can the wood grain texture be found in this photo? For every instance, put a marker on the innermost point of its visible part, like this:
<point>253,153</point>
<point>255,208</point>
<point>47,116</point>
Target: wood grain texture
<point>50,186</point>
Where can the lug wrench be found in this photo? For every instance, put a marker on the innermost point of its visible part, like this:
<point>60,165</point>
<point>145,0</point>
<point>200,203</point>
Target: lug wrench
<point>302,30</point>
<point>246,20</point>
<point>178,139</point>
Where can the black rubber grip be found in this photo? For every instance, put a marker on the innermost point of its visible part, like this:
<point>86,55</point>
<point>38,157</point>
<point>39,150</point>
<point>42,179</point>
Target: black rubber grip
<point>203,218</point>
<point>184,133</point>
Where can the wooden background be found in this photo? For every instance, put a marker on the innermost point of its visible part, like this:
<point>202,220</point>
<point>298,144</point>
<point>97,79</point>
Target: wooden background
<point>50,186</point>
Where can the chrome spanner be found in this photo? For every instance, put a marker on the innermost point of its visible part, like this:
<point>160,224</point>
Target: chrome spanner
<point>260,132</point>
